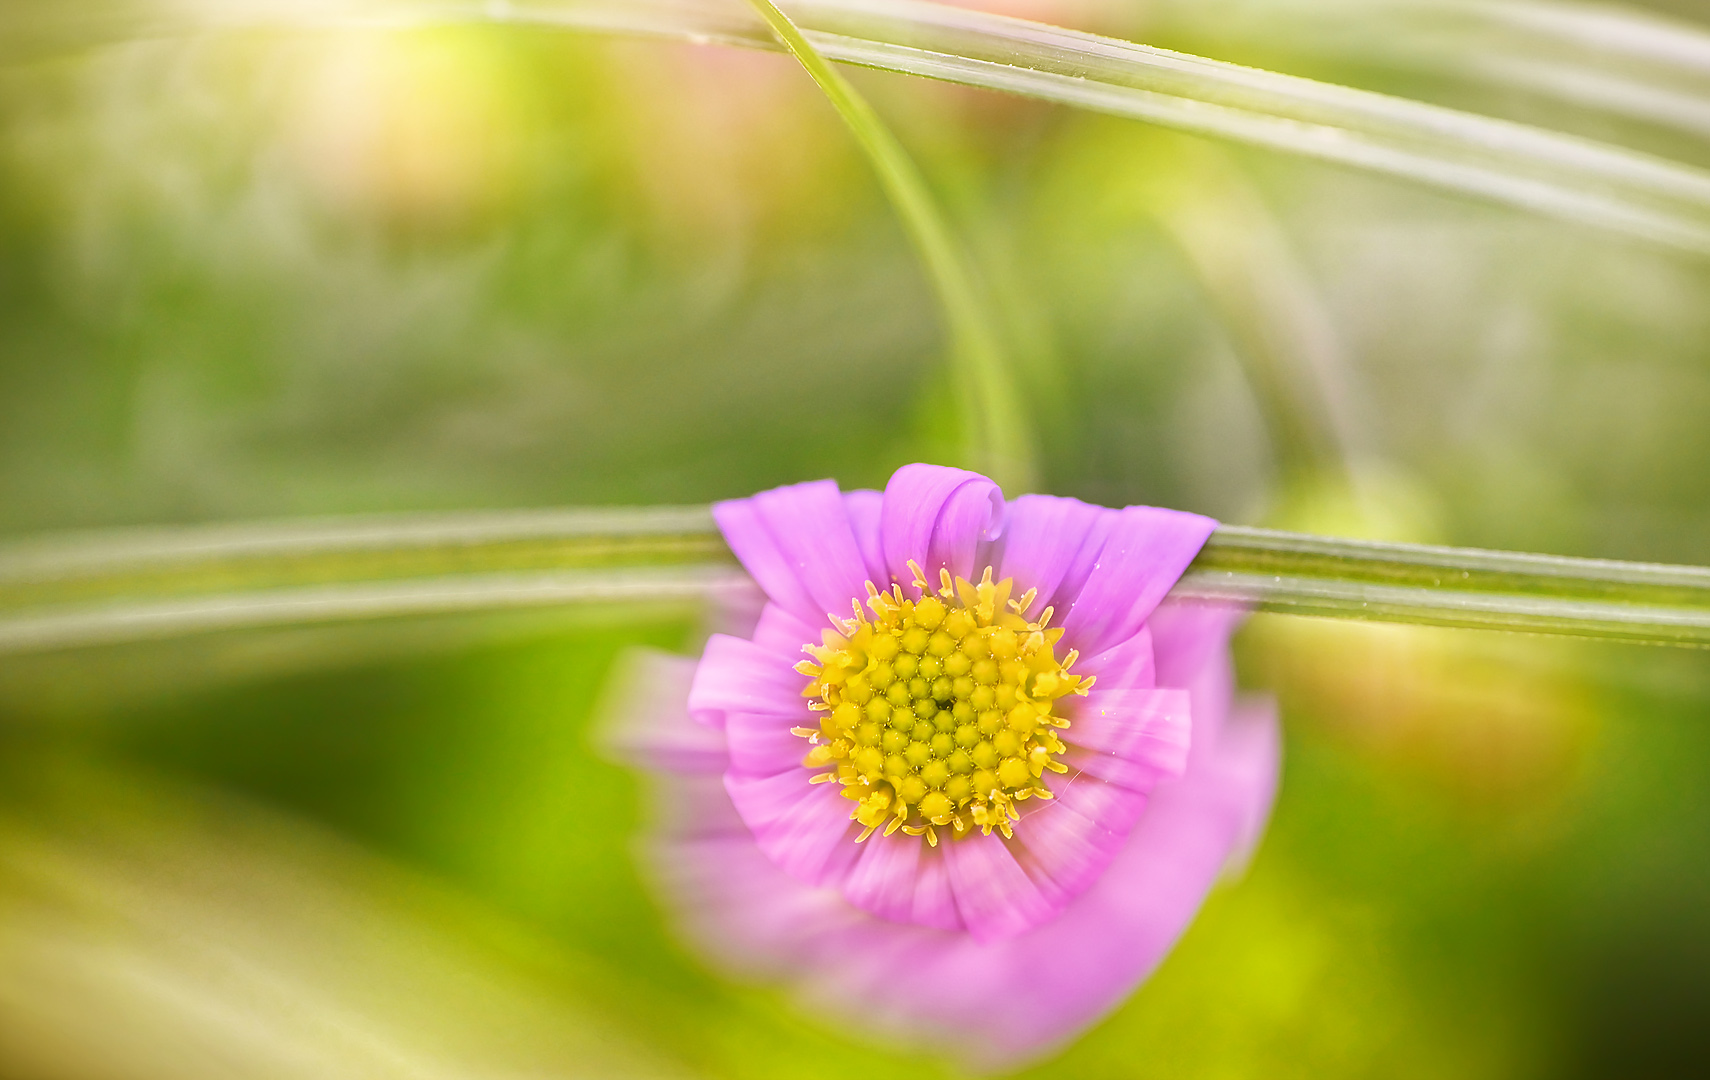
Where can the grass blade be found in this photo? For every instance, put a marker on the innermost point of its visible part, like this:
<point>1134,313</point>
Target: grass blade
<point>1619,61</point>
<point>116,588</point>
<point>1300,574</point>
<point>1583,181</point>
<point>1541,171</point>
<point>1000,443</point>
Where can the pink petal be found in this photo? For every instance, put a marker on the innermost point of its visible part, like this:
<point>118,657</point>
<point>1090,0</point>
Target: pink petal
<point>750,540</point>
<point>1147,729</point>
<point>784,634</point>
<point>1249,762</point>
<point>798,544</point>
<point>643,721</point>
<point>696,807</point>
<point>1129,664</point>
<point>934,897</point>
<point>993,950</point>
<point>1050,544</point>
<point>763,745</point>
<point>1112,936</point>
<point>939,518</point>
<point>1176,850</point>
<point>1191,640</point>
<point>1070,849</point>
<point>864,508</point>
<point>738,675</point>
<point>1111,806</point>
<point>741,909</point>
<point>804,828</point>
<point>1145,554</point>
<point>1192,645</point>
<point>900,879</point>
<point>736,610</point>
<point>1136,776</point>
<point>1056,979</point>
<point>884,878</point>
<point>995,896</point>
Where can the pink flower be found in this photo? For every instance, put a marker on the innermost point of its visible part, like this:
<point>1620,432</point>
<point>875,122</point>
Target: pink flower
<point>995,792</point>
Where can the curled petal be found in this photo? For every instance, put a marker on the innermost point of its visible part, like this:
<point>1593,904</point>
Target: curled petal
<point>939,518</point>
<point>797,542</point>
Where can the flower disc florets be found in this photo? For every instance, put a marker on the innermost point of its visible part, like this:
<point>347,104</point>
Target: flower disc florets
<point>940,711</point>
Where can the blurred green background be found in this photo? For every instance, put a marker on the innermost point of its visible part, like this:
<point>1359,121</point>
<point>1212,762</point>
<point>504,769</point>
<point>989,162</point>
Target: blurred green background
<point>268,275</point>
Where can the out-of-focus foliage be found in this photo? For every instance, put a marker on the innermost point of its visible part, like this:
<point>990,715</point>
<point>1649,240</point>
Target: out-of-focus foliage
<point>256,274</point>
<point>153,932</point>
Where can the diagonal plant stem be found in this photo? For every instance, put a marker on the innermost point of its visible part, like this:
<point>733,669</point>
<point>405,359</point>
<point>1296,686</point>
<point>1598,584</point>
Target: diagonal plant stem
<point>1623,61</point>
<point>1542,171</point>
<point>999,441</point>
<point>71,592</point>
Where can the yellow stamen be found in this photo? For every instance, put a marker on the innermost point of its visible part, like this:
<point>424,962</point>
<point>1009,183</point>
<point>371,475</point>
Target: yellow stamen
<point>941,710</point>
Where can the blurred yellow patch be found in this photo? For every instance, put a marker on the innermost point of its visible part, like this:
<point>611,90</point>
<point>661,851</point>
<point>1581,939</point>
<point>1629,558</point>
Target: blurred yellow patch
<point>719,146</point>
<point>421,128</point>
<point>1488,716</point>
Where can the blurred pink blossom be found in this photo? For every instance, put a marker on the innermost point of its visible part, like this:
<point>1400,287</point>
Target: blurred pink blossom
<point>992,948</point>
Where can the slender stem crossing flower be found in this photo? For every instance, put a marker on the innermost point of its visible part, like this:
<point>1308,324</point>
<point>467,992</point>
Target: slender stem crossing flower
<point>997,787</point>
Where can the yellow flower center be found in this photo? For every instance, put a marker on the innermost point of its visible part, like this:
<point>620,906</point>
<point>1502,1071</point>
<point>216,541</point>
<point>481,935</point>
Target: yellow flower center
<point>941,711</point>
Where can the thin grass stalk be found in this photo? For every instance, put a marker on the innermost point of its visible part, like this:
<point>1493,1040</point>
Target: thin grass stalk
<point>998,438</point>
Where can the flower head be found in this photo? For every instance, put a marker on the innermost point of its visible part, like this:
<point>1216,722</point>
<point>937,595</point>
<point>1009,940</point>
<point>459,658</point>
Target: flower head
<point>966,781</point>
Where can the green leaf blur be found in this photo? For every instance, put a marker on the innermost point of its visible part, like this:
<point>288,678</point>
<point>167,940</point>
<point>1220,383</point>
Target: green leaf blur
<point>271,273</point>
